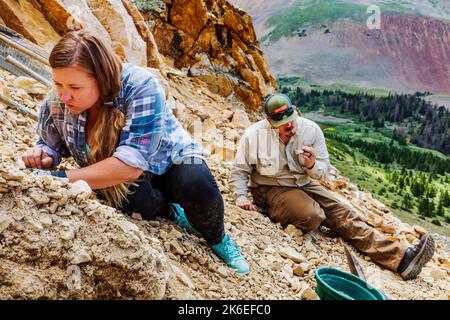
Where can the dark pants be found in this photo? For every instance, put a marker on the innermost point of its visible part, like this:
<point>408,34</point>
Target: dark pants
<point>193,187</point>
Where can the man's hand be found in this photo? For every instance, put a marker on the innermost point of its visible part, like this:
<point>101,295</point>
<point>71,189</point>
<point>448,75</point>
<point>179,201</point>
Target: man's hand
<point>309,156</point>
<point>245,203</point>
<point>37,158</point>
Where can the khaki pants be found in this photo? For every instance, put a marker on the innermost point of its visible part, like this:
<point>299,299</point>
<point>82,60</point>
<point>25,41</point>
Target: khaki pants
<point>309,206</point>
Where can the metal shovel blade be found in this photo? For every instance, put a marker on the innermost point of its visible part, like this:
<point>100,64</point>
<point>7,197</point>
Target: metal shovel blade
<point>356,269</point>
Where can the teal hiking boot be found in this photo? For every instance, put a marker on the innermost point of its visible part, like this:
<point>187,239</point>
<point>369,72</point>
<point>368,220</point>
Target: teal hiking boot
<point>228,251</point>
<point>180,218</point>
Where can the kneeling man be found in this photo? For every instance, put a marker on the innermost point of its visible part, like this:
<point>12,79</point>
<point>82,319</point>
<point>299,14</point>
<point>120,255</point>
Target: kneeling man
<point>280,157</point>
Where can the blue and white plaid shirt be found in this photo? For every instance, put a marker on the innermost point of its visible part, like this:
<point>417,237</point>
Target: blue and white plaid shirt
<point>151,140</point>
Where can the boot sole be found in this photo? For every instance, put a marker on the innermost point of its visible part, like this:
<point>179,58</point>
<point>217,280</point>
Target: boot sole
<point>425,254</point>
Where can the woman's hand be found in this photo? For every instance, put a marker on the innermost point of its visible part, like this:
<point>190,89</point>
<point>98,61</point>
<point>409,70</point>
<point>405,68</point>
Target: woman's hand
<point>37,158</point>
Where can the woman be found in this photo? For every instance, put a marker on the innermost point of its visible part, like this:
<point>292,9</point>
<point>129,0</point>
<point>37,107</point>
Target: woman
<point>113,120</point>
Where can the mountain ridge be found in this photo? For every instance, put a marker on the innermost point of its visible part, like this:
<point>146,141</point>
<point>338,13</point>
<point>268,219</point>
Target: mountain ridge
<point>409,53</point>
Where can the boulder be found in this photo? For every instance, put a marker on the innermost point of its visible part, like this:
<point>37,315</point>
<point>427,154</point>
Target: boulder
<point>234,63</point>
<point>31,86</point>
<point>121,28</point>
<point>218,84</point>
<point>153,58</point>
<point>190,16</point>
<point>24,18</point>
<point>240,120</point>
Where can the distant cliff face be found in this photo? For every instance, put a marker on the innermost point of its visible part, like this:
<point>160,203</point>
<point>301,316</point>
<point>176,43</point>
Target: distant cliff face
<point>418,48</point>
<point>409,53</point>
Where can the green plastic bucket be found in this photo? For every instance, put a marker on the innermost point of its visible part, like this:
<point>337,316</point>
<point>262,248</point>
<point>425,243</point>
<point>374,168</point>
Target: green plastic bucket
<point>334,284</point>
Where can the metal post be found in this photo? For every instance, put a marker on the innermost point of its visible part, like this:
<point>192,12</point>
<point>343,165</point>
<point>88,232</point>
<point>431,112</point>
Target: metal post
<point>30,113</point>
<point>22,49</point>
<point>28,71</point>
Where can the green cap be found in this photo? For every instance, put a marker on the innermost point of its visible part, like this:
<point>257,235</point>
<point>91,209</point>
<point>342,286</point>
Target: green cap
<point>279,109</point>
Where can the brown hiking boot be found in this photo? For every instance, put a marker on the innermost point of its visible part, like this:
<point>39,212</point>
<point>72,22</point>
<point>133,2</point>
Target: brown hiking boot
<point>328,232</point>
<point>416,257</point>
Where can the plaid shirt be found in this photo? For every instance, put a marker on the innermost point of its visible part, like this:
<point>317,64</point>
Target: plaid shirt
<point>151,140</point>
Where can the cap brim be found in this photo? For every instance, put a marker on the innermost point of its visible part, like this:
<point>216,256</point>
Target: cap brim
<point>283,121</point>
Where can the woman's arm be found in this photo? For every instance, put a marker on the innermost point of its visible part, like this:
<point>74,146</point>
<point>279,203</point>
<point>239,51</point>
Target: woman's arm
<point>50,140</point>
<point>106,173</point>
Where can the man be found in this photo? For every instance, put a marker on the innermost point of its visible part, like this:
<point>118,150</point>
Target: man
<point>281,156</point>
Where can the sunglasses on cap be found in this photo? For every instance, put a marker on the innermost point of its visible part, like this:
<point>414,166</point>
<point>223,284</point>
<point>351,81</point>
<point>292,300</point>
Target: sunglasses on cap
<point>282,112</point>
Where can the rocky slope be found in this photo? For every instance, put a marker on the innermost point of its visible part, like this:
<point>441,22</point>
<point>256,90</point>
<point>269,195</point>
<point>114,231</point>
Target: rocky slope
<point>408,53</point>
<point>58,241</point>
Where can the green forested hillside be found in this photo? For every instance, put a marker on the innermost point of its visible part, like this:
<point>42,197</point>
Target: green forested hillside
<point>413,119</point>
<point>378,151</point>
<point>416,196</point>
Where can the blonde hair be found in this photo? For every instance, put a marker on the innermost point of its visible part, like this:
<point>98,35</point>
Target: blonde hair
<point>82,49</point>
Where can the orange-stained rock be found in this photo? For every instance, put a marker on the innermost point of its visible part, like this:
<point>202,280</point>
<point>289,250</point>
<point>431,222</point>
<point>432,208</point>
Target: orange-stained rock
<point>189,16</point>
<point>261,63</point>
<point>249,97</point>
<point>387,228</point>
<point>225,35</point>
<point>218,84</point>
<point>120,26</point>
<point>153,59</point>
<point>119,49</point>
<point>57,15</point>
<point>71,15</point>
<point>239,55</point>
<point>240,23</point>
<point>208,42</point>
<point>251,77</point>
<point>21,16</point>
<point>420,230</point>
<point>340,183</point>
<point>164,34</point>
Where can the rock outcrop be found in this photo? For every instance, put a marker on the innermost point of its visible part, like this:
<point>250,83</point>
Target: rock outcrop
<point>23,17</point>
<point>44,21</point>
<point>210,40</point>
<point>214,42</point>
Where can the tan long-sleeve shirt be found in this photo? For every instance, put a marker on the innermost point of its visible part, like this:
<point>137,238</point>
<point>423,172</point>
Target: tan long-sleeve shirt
<point>263,159</point>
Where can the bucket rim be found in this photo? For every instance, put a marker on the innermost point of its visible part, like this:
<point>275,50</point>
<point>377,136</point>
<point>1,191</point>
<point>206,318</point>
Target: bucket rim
<point>347,276</point>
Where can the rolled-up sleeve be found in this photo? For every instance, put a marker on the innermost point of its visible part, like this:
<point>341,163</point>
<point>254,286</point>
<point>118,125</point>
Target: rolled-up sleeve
<point>322,165</point>
<point>141,136</point>
<point>241,171</point>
